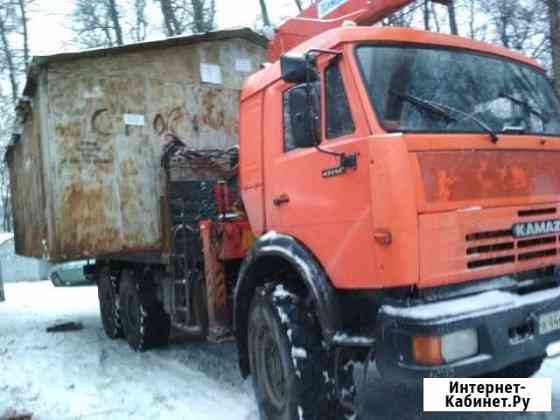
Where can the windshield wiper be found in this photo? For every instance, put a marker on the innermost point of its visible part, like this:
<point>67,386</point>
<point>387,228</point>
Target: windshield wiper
<point>425,104</point>
<point>445,111</point>
<point>477,121</point>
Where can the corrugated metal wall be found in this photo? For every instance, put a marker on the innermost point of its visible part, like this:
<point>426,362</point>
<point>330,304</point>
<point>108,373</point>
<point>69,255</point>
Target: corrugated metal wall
<point>103,119</point>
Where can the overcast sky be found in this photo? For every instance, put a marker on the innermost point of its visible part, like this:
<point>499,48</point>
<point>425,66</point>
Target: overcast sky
<point>51,22</point>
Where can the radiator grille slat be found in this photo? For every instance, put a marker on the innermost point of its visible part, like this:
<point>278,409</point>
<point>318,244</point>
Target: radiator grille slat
<point>499,247</point>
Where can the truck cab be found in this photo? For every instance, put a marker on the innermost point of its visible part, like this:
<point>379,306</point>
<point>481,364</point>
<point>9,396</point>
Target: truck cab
<point>428,193</point>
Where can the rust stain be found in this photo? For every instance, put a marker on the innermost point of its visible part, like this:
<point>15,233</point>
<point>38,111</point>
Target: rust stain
<point>460,175</point>
<point>101,174</point>
<point>213,110</point>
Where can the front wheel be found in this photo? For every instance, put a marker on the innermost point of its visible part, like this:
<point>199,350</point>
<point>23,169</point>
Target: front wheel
<point>291,367</point>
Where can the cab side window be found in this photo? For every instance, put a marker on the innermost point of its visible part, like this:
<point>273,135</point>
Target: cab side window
<point>337,109</point>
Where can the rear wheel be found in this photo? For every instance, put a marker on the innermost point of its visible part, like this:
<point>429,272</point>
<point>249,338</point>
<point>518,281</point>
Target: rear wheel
<point>524,369</point>
<point>145,324</point>
<point>109,304</point>
<point>291,368</point>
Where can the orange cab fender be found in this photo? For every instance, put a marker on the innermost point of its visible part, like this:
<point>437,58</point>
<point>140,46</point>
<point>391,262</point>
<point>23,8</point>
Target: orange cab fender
<point>274,253</point>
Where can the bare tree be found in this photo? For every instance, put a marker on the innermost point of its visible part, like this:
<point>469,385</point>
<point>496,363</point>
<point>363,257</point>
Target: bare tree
<point>427,13</point>
<point>180,16</point>
<point>139,30</point>
<point>452,16</point>
<point>203,14</point>
<point>8,57</point>
<point>264,13</point>
<point>404,17</point>
<point>14,60</point>
<point>14,43</point>
<point>553,10</point>
<point>174,14</point>
<point>6,124</point>
<point>24,21</point>
<point>98,23</point>
<point>114,16</point>
<point>517,24</point>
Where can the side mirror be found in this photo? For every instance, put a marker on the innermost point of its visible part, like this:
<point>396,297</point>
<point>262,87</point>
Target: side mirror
<point>301,116</point>
<point>294,68</point>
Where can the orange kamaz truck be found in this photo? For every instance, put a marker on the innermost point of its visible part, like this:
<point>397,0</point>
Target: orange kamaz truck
<point>394,197</point>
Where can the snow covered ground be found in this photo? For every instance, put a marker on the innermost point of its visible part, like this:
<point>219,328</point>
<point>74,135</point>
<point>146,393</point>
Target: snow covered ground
<point>84,375</point>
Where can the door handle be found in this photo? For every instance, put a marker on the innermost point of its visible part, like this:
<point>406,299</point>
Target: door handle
<point>281,199</point>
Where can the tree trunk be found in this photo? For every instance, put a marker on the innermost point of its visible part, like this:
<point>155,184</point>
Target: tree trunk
<point>426,15</point>
<point>170,21</point>
<point>198,16</point>
<point>452,19</point>
<point>10,64</point>
<point>264,12</point>
<point>299,6</point>
<point>22,4</point>
<point>554,24</point>
<point>141,26</point>
<point>436,20</point>
<point>115,20</point>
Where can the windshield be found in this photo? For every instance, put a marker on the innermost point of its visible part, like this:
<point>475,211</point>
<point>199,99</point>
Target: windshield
<point>435,90</point>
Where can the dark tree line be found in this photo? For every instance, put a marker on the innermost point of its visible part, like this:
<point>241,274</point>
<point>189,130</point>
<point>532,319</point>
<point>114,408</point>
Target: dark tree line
<point>108,23</point>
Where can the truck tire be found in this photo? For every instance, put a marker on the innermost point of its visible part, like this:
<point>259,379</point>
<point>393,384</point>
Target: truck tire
<point>145,324</point>
<point>290,366</point>
<point>523,369</point>
<point>109,304</point>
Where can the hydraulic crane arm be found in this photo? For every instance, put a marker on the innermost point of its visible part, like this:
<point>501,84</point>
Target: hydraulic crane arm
<point>328,14</point>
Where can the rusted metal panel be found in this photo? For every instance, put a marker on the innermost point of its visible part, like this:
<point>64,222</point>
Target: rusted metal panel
<point>458,176</point>
<point>101,143</point>
<point>27,185</point>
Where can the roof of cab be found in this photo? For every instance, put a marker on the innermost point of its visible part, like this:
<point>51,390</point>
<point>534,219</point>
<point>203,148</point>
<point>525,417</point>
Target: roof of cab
<point>335,37</point>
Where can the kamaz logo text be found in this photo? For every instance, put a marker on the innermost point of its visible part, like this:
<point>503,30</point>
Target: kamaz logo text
<point>546,227</point>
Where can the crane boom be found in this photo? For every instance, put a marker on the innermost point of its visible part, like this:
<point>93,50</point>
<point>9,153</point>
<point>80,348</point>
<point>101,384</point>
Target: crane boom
<point>328,14</point>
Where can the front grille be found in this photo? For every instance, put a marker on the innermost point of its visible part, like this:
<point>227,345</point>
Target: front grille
<point>490,261</point>
<point>536,212</point>
<point>499,247</point>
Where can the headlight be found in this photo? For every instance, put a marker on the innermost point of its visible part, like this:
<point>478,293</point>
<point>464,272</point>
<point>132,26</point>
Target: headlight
<point>438,350</point>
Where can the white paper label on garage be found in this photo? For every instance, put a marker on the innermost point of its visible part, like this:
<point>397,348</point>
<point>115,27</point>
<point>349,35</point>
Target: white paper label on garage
<point>211,73</point>
<point>134,119</point>
<point>243,65</point>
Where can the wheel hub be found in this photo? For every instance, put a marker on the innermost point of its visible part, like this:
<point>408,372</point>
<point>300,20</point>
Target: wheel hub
<point>273,371</point>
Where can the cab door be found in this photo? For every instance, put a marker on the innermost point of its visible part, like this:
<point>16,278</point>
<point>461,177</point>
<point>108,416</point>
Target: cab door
<point>309,195</point>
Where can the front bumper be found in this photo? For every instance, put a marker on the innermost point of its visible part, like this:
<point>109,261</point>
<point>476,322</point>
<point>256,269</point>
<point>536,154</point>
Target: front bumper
<point>506,324</point>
